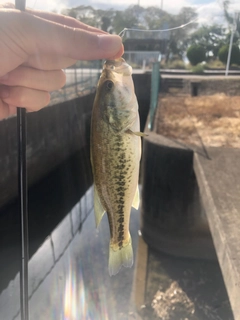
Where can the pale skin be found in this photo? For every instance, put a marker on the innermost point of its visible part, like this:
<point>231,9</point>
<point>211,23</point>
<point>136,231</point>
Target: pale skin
<point>35,46</point>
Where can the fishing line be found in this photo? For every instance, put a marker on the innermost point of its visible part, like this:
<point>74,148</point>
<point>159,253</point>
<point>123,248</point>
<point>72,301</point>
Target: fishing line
<point>122,33</point>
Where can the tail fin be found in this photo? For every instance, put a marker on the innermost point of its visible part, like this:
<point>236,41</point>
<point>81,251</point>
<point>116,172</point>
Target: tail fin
<point>120,257</point>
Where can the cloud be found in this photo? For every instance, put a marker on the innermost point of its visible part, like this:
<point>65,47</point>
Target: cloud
<point>208,13</point>
<point>212,13</point>
<point>48,5</point>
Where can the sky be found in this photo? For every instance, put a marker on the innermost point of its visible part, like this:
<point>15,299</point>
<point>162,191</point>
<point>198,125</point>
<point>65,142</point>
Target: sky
<point>209,11</point>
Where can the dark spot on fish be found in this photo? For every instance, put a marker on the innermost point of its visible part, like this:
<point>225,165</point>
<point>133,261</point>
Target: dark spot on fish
<point>119,144</point>
<point>120,220</point>
<point>119,167</point>
<point>120,236</point>
<point>120,189</point>
<point>121,227</point>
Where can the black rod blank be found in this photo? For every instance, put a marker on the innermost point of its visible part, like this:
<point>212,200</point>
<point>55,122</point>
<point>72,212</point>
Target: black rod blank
<point>23,199</point>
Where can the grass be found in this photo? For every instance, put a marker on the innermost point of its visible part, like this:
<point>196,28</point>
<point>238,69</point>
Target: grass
<point>198,69</point>
<point>174,64</point>
<point>215,64</point>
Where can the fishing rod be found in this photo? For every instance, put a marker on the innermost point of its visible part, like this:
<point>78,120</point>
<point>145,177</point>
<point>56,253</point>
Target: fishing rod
<point>23,199</point>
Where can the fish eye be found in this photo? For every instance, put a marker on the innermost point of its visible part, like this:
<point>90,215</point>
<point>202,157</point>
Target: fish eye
<point>109,84</point>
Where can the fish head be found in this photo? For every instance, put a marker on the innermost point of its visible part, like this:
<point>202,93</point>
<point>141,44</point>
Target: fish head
<point>116,96</point>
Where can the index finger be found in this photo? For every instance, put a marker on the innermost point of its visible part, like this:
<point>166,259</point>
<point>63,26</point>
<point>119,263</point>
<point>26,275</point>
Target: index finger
<point>54,38</point>
<point>65,20</point>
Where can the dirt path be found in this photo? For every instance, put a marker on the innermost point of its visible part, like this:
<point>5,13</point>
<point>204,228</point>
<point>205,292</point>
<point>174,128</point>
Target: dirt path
<point>211,120</point>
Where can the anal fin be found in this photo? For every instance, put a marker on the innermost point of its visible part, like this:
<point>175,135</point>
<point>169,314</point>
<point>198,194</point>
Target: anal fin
<point>98,208</point>
<point>136,199</point>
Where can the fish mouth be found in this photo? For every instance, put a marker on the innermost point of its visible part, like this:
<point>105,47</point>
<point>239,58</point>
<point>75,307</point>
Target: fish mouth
<point>118,66</point>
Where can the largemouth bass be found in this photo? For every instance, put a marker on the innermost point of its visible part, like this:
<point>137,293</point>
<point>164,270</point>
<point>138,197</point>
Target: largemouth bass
<point>115,157</point>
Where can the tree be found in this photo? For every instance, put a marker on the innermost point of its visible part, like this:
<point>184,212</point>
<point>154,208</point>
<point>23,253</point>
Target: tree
<point>106,23</point>
<point>196,54</point>
<point>209,37</point>
<point>138,17</point>
<point>231,19</point>
<point>178,42</point>
<point>235,54</point>
<point>132,17</point>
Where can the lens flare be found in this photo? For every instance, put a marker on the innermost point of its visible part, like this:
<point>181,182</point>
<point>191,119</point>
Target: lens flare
<point>74,298</point>
<point>81,302</point>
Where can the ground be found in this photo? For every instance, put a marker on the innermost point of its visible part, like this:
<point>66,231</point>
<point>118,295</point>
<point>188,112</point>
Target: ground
<point>188,289</point>
<point>200,121</point>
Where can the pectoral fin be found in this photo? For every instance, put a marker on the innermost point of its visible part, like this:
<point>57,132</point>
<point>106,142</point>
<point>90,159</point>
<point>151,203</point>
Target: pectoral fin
<point>136,199</point>
<point>140,134</point>
<point>98,208</point>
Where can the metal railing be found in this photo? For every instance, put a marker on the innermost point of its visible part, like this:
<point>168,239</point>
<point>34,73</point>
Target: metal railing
<point>81,79</point>
<point>142,59</point>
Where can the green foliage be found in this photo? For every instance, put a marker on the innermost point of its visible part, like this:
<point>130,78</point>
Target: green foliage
<point>214,64</point>
<point>198,69</point>
<point>138,17</point>
<point>235,54</point>
<point>94,17</point>
<point>209,37</point>
<point>196,54</point>
<point>178,41</point>
<point>128,18</point>
<point>208,40</point>
<point>174,64</point>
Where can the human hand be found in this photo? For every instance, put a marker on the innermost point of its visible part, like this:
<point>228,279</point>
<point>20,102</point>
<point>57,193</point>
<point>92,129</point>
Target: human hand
<point>35,46</point>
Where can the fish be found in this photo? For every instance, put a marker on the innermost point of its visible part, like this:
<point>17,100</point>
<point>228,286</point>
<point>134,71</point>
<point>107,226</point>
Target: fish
<point>115,157</point>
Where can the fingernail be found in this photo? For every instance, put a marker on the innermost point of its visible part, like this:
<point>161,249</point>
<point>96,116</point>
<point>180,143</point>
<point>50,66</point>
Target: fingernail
<point>4,92</point>
<point>110,43</point>
<point>4,77</point>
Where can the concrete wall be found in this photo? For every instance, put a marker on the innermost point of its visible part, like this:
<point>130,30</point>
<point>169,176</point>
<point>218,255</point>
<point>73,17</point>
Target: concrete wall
<point>54,134</point>
<point>230,87</point>
<point>206,85</point>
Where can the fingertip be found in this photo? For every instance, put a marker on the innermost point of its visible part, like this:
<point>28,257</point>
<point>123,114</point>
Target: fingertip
<point>119,54</point>
<point>48,99</point>
<point>111,45</point>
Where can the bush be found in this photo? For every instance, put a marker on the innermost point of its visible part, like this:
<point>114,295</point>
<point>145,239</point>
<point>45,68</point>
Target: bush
<point>214,64</point>
<point>235,54</point>
<point>196,54</point>
<point>175,64</point>
<point>198,69</point>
